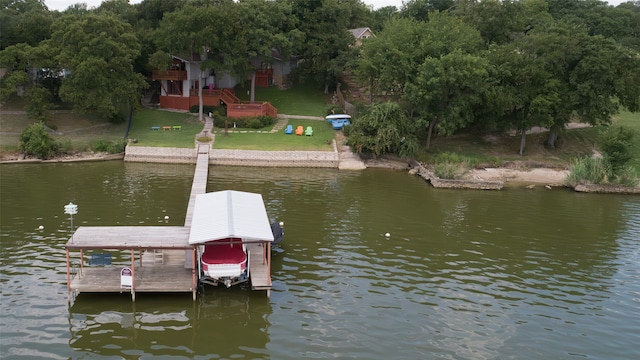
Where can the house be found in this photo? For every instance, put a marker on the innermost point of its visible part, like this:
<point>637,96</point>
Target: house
<point>179,85</point>
<point>275,71</point>
<point>360,34</point>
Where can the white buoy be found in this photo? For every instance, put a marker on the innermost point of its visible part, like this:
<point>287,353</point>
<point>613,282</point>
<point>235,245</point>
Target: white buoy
<point>40,227</point>
<point>281,223</point>
<point>166,217</point>
<point>387,235</point>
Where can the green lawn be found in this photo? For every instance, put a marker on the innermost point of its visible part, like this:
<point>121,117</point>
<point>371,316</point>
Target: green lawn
<point>495,149</point>
<point>144,119</point>
<point>77,132</point>
<point>321,140</point>
<point>302,99</point>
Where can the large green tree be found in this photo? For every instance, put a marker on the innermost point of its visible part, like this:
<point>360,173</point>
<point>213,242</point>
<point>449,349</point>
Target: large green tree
<point>524,91</point>
<point>447,89</point>
<point>266,26</point>
<point>326,40</point>
<point>97,51</point>
<point>421,9</point>
<point>390,60</point>
<point>206,34</point>
<point>24,21</point>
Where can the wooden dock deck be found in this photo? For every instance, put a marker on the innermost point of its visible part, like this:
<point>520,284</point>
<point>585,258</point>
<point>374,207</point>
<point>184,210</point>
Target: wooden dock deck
<point>163,278</point>
<point>259,269</point>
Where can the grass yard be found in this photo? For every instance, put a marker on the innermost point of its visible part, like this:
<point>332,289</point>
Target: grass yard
<point>321,140</point>
<point>76,131</point>
<point>144,119</point>
<point>496,149</point>
<point>301,99</point>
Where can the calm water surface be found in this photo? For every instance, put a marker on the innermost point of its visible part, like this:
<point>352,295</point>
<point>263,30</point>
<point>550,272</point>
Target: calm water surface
<point>515,274</point>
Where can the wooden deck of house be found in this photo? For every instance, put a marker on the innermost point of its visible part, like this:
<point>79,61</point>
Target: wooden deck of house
<point>159,257</point>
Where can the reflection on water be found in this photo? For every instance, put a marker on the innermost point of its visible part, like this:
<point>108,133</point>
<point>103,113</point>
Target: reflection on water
<point>464,274</point>
<point>219,325</point>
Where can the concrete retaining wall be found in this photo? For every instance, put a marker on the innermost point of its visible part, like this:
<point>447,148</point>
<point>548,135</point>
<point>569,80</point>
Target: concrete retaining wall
<point>313,159</point>
<point>607,189</point>
<point>160,155</point>
<point>436,182</point>
<point>466,184</point>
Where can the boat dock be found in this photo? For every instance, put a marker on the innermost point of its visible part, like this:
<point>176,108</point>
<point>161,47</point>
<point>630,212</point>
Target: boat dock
<point>259,267</point>
<point>158,259</point>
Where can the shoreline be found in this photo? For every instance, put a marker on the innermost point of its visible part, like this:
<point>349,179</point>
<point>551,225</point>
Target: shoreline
<point>486,179</point>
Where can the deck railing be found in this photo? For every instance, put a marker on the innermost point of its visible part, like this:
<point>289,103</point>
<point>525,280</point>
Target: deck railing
<point>169,75</point>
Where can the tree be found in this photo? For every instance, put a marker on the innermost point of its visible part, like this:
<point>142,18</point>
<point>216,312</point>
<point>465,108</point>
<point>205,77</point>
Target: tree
<point>389,61</point>
<point>204,34</point>
<point>97,51</point>
<point>446,90</point>
<point>605,78</point>
<point>589,77</point>
<point>17,60</point>
<point>500,22</point>
<point>524,90</point>
<point>266,25</point>
<point>326,39</point>
<point>40,101</point>
<point>421,9</point>
<point>21,78</point>
<point>621,23</point>
<point>383,128</point>
<point>24,21</point>
<point>380,16</point>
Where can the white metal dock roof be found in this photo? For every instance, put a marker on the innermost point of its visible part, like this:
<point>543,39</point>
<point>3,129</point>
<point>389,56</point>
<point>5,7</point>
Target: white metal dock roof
<point>224,214</point>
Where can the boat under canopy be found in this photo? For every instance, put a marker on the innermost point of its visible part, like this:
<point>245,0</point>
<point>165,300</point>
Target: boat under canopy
<point>230,214</point>
<point>223,223</point>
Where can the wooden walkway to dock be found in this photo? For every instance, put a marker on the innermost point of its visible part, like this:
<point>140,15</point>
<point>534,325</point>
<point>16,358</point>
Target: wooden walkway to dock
<point>199,184</point>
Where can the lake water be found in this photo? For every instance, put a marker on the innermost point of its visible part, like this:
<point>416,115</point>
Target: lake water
<point>511,274</point>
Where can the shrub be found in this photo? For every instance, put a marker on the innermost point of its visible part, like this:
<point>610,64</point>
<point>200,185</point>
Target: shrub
<point>245,123</point>
<point>616,146</point>
<point>116,118</point>
<point>64,146</point>
<point>39,105</point>
<point>219,121</point>
<point>450,165</point>
<point>206,109</point>
<point>448,170</point>
<point>627,177</point>
<point>111,147</point>
<point>334,109</point>
<point>35,141</point>
<point>588,171</point>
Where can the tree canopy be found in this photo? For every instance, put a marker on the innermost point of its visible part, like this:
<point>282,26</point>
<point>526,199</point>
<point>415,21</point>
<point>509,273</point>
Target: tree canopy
<point>97,51</point>
<point>447,65</point>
